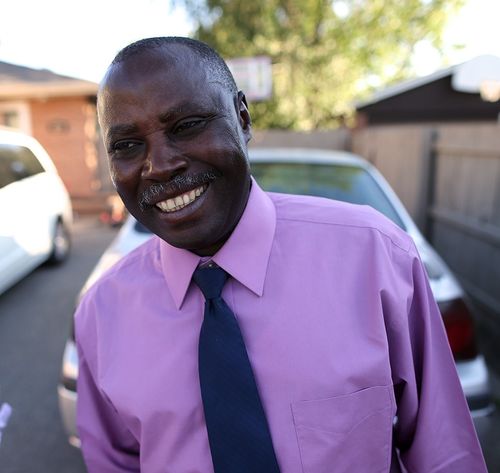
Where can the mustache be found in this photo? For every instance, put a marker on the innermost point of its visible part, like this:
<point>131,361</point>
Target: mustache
<point>177,185</point>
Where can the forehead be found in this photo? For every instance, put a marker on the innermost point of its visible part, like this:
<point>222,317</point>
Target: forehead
<point>173,67</point>
<point>163,75</point>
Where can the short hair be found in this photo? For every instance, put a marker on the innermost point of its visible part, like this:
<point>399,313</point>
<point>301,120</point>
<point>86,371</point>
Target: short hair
<point>214,63</point>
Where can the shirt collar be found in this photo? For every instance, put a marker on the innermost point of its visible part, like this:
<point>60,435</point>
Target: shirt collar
<point>244,256</point>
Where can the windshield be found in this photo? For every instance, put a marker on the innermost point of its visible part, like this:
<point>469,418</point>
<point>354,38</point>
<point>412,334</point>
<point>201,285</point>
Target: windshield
<point>347,183</point>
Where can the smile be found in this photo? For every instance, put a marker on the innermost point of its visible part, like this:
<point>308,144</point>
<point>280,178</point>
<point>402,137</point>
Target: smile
<point>182,200</point>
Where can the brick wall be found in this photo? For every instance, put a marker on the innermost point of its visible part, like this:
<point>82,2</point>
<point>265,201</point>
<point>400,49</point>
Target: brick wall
<point>66,128</point>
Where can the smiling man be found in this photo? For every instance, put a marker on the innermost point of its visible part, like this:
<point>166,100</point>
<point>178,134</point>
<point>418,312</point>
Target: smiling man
<point>256,333</point>
<point>178,159</point>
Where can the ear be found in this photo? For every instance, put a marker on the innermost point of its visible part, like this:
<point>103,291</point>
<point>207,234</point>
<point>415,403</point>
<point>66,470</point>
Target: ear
<point>244,116</point>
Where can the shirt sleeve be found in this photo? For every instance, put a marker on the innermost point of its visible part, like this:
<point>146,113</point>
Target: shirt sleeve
<point>107,445</point>
<point>434,432</point>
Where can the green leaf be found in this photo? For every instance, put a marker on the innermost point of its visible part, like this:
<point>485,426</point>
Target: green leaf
<point>323,52</point>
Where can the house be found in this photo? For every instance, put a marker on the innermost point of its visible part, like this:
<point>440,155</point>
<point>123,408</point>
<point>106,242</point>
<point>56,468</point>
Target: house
<point>60,112</point>
<point>465,92</point>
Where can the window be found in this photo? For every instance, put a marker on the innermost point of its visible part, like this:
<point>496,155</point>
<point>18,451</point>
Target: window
<point>17,115</point>
<point>10,118</point>
<point>340,182</point>
<point>16,163</point>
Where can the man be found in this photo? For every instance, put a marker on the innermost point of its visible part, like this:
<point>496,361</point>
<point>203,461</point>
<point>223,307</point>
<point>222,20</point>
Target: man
<point>345,361</point>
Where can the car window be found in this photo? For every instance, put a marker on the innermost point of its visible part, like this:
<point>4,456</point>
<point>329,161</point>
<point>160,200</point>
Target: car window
<point>347,183</point>
<point>6,174</point>
<point>16,163</point>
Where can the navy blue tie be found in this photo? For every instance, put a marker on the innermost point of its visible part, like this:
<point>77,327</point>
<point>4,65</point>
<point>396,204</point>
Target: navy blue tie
<point>238,433</point>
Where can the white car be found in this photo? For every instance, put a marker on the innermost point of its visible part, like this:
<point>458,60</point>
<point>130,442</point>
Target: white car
<point>35,209</point>
<point>342,176</point>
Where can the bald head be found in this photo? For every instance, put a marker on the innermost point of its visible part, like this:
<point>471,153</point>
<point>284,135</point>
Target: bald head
<point>214,66</point>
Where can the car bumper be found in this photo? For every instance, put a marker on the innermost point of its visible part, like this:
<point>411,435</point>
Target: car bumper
<point>67,408</point>
<point>474,378</point>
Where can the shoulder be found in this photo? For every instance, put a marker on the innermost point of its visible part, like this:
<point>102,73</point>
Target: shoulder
<point>140,261</point>
<point>136,267</point>
<point>338,218</point>
<point>113,303</point>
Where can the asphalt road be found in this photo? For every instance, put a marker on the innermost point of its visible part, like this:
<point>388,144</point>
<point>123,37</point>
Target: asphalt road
<point>35,319</point>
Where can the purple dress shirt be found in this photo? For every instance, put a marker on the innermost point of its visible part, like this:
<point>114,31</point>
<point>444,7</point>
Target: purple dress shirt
<point>345,339</point>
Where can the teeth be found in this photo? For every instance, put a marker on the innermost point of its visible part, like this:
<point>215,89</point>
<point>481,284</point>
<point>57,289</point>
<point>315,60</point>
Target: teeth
<point>180,201</point>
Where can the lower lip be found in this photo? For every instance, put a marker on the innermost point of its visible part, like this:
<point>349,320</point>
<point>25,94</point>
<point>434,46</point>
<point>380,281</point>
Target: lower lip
<point>186,211</point>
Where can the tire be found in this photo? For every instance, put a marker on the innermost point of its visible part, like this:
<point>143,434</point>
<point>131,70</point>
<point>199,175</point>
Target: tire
<point>61,244</point>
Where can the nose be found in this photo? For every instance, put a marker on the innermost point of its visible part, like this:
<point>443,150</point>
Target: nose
<point>163,161</point>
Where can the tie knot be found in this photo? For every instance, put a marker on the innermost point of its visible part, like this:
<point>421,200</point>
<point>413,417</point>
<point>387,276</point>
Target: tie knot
<point>210,280</point>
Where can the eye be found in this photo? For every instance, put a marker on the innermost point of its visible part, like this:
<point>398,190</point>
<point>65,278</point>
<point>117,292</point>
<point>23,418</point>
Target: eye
<point>190,124</point>
<point>125,146</point>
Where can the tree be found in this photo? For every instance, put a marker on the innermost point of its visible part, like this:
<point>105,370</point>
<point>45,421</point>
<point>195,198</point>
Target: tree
<point>325,54</point>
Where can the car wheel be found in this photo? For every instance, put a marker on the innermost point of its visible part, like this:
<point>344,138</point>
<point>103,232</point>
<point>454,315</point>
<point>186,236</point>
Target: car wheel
<point>61,244</point>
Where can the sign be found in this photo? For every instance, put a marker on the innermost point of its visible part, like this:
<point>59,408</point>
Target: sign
<point>253,75</point>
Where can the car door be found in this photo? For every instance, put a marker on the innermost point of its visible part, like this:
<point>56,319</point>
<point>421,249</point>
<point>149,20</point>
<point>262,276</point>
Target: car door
<point>24,238</point>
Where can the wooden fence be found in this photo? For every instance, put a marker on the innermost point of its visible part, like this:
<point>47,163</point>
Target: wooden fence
<point>448,176</point>
<point>327,139</point>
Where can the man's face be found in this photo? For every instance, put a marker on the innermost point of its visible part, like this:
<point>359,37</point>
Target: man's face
<point>176,142</point>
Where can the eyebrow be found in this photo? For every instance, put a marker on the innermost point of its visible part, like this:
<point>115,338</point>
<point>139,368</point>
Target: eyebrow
<point>182,109</point>
<point>164,117</point>
<point>121,129</point>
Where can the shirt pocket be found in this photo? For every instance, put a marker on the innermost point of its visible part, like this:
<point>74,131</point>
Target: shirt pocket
<point>351,433</point>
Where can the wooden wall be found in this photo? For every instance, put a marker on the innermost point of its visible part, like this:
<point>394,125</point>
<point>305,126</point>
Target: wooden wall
<point>327,139</point>
<point>399,154</point>
<point>448,176</point>
<point>465,213</point>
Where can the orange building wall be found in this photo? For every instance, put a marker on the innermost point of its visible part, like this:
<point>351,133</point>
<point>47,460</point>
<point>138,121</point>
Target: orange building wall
<point>66,128</point>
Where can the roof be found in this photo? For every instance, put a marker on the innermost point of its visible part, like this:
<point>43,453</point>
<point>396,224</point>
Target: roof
<point>466,77</point>
<point>24,82</point>
<point>404,86</point>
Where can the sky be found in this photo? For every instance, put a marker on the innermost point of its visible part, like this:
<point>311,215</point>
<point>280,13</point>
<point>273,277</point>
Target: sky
<point>80,39</point>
